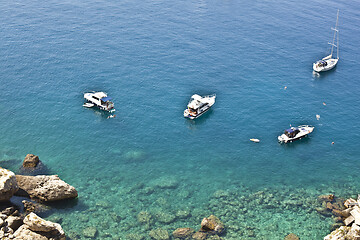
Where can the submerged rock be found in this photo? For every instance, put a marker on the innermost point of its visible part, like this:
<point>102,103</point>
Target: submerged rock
<point>90,232</point>
<point>31,161</point>
<point>199,236</point>
<point>291,236</point>
<point>8,184</point>
<point>34,207</point>
<point>165,217</point>
<point>183,233</point>
<point>144,218</point>
<point>159,234</point>
<point>212,224</point>
<point>45,188</point>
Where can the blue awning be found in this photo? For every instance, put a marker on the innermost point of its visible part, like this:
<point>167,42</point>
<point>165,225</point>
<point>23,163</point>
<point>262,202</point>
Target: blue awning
<point>291,130</point>
<point>105,99</point>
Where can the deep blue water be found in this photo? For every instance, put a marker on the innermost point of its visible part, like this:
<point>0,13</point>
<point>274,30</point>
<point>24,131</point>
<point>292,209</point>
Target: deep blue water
<point>151,56</point>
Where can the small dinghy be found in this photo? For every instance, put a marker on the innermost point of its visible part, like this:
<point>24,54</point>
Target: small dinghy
<point>254,140</point>
<point>88,105</point>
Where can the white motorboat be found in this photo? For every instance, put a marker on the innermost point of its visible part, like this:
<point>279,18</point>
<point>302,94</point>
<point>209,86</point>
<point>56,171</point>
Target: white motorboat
<point>295,133</point>
<point>199,105</point>
<point>99,99</point>
<point>328,62</point>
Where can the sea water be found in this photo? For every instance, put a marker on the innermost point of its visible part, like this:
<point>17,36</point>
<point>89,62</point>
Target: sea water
<point>151,56</point>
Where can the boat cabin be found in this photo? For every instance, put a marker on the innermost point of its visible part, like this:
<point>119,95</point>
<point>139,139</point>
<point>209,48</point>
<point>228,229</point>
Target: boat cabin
<point>291,132</point>
<point>196,103</point>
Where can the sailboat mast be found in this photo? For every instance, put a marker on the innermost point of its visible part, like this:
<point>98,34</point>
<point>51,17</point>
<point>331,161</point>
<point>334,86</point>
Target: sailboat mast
<point>335,32</point>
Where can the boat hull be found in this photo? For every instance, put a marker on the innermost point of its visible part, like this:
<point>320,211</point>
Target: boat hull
<point>331,63</point>
<point>305,130</point>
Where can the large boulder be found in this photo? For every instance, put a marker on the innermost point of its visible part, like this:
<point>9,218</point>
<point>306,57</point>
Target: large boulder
<point>33,166</point>
<point>45,188</point>
<point>8,184</point>
<point>31,161</point>
<point>25,233</point>
<point>43,227</point>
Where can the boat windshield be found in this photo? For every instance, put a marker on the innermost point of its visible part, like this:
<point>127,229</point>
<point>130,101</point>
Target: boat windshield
<point>291,132</point>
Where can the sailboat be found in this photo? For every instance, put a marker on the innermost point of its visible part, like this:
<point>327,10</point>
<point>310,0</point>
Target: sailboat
<point>329,62</point>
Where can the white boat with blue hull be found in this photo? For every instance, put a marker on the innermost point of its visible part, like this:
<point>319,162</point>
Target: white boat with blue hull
<point>198,105</point>
<point>328,62</point>
<point>295,133</point>
<point>100,100</point>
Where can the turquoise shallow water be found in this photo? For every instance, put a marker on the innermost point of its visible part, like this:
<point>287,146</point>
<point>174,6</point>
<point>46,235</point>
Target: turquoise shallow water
<point>151,56</point>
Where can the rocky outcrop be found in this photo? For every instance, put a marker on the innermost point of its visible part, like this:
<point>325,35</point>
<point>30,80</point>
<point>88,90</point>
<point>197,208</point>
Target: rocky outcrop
<point>30,161</point>
<point>33,166</point>
<point>35,227</point>
<point>8,184</point>
<point>351,218</point>
<point>45,188</point>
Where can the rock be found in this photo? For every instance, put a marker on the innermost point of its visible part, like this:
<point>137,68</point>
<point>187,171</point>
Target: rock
<point>349,220</point>
<point>25,233</point>
<point>351,233</point>
<point>144,217</point>
<point>134,236</point>
<point>8,184</point>
<point>159,234</point>
<point>335,226</point>
<point>14,222</point>
<point>183,233</point>
<point>37,224</point>
<point>183,214</point>
<point>356,214</point>
<point>324,211</point>
<point>165,217</point>
<point>90,232</point>
<point>291,236</point>
<point>326,198</point>
<point>8,211</point>
<point>344,213</point>
<point>212,223</point>
<point>354,233</point>
<point>45,188</point>
<point>350,202</point>
<point>199,236</point>
<point>30,161</point>
<point>34,207</point>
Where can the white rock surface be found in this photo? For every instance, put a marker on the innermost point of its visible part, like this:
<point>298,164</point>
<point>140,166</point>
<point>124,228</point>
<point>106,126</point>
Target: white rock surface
<point>8,184</point>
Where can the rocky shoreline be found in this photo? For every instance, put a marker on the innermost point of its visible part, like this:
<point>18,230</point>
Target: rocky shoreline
<point>240,209</point>
<point>21,222</point>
